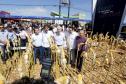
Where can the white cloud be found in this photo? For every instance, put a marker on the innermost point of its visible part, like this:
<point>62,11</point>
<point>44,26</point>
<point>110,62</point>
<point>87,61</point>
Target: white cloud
<point>33,11</point>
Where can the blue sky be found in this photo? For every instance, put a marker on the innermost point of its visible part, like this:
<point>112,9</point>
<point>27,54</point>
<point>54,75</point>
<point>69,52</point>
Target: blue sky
<point>78,6</point>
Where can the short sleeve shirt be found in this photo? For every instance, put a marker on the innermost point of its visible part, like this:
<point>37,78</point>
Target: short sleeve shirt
<point>46,36</point>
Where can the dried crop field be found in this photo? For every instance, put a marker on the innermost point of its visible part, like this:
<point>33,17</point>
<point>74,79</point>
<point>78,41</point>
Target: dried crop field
<point>104,63</point>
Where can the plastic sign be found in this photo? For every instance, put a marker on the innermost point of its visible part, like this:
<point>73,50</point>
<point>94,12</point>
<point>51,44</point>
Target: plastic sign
<point>64,1</point>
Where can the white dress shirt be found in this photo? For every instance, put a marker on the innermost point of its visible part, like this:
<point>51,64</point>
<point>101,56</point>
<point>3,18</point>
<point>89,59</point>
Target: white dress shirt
<point>36,40</point>
<point>46,38</point>
<point>23,34</point>
<point>55,30</point>
<point>59,39</point>
<point>3,36</point>
<point>71,37</point>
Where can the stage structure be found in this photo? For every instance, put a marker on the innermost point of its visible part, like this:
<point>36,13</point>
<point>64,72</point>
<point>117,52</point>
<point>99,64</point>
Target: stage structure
<point>108,15</point>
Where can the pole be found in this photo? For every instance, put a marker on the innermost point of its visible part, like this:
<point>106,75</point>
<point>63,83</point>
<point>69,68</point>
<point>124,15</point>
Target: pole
<point>122,22</point>
<point>59,8</point>
<point>69,9</point>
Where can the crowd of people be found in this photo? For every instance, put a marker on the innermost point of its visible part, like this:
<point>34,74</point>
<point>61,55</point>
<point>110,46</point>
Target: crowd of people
<point>71,38</point>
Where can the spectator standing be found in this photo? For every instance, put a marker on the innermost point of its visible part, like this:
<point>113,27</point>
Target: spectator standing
<point>23,37</point>
<point>71,42</point>
<point>11,37</point>
<point>46,41</point>
<point>81,47</point>
<point>3,43</point>
<point>37,44</point>
<point>59,39</point>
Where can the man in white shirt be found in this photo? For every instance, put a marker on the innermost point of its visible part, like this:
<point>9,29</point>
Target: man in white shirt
<point>71,42</point>
<point>24,37</point>
<point>54,29</point>
<point>59,39</point>
<point>11,37</point>
<point>37,44</point>
<point>3,43</point>
<point>47,37</point>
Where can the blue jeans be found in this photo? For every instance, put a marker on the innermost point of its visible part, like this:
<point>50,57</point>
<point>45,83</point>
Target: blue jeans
<point>46,52</point>
<point>35,53</point>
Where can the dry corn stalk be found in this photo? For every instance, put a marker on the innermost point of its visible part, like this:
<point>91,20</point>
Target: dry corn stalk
<point>121,82</point>
<point>109,53</point>
<point>63,80</point>
<point>2,79</point>
<point>80,79</point>
<point>94,56</point>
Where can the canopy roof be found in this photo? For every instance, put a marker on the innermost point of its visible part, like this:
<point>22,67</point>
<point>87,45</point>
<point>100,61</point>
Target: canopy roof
<point>45,18</point>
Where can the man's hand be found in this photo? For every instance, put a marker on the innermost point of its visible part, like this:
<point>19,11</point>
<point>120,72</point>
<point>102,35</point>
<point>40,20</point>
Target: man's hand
<point>80,44</point>
<point>4,42</point>
<point>0,41</point>
<point>34,46</point>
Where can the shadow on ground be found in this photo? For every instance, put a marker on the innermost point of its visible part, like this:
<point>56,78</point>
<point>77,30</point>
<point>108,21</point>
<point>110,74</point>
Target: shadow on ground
<point>27,80</point>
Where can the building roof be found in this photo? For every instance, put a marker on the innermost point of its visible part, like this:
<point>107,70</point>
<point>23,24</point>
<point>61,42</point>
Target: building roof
<point>4,13</point>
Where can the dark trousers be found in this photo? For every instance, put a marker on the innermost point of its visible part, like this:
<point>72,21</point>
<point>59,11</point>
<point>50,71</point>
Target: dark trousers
<point>4,56</point>
<point>36,49</point>
<point>72,57</point>
<point>12,51</point>
<point>79,61</point>
<point>46,52</point>
<point>23,42</point>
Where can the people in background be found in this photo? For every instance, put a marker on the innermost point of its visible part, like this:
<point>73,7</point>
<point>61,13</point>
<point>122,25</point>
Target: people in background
<point>42,40</point>
<point>3,43</point>
<point>11,37</point>
<point>23,37</point>
<point>81,47</point>
<point>37,44</point>
<point>71,42</point>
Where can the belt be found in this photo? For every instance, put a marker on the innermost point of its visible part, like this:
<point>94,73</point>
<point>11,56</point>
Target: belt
<point>37,47</point>
<point>59,45</point>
